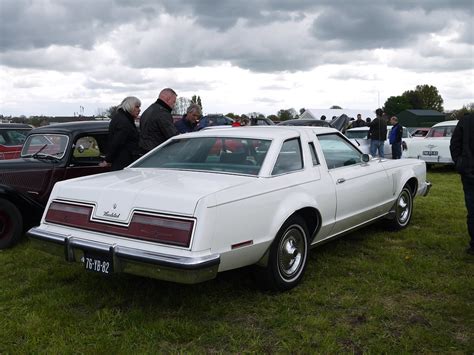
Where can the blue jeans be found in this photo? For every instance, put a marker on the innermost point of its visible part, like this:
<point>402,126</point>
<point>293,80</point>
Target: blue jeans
<point>468,186</point>
<point>377,145</point>
<point>397,150</point>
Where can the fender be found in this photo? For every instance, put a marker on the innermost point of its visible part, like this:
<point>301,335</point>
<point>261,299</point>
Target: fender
<point>30,209</point>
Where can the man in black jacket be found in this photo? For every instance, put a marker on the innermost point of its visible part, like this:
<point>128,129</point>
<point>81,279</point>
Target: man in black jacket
<point>378,134</point>
<point>462,152</point>
<point>156,123</point>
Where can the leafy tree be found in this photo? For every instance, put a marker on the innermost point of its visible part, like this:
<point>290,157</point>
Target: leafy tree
<point>197,100</point>
<point>335,107</point>
<point>396,104</point>
<point>284,115</point>
<point>273,117</point>
<point>430,97</point>
<point>302,110</point>
<point>414,99</point>
<point>466,109</point>
<point>231,115</point>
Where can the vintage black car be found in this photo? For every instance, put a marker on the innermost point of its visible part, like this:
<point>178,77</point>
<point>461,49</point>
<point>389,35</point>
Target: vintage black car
<point>49,154</point>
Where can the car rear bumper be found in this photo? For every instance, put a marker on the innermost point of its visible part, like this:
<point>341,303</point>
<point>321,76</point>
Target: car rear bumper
<point>141,262</point>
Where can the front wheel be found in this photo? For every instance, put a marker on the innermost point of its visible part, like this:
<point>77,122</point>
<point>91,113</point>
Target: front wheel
<point>11,224</point>
<point>403,209</point>
<point>288,256</point>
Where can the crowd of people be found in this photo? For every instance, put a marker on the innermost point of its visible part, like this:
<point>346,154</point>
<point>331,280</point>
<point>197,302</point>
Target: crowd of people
<point>378,133</point>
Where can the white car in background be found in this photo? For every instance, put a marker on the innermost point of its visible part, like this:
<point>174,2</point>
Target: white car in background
<point>359,135</point>
<point>434,147</point>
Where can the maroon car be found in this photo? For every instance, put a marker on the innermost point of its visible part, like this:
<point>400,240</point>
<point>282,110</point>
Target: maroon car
<point>49,154</point>
<point>12,137</point>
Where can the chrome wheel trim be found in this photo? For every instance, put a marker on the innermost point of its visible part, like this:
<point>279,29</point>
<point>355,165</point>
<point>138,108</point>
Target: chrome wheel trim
<point>404,207</point>
<point>292,253</point>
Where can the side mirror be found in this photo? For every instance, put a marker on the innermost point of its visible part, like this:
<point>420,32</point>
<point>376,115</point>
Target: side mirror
<point>365,158</point>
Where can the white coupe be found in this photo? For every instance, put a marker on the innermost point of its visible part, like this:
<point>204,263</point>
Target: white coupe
<point>434,147</point>
<point>221,199</point>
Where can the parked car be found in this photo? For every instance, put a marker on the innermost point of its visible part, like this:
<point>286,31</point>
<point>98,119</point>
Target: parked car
<point>261,121</point>
<point>186,211</point>
<point>12,137</point>
<point>49,154</point>
<point>305,122</point>
<point>359,136</point>
<point>434,147</point>
<point>214,120</point>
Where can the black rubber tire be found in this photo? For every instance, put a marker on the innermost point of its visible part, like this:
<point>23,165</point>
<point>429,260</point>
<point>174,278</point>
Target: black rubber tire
<point>403,210</point>
<point>284,269</point>
<point>11,224</point>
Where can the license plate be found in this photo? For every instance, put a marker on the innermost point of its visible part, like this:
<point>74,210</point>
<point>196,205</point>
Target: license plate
<point>100,263</point>
<point>430,152</point>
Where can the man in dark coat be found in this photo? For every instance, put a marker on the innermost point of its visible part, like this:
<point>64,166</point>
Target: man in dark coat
<point>359,122</point>
<point>122,147</point>
<point>462,152</point>
<point>378,134</point>
<point>156,123</point>
<point>190,120</point>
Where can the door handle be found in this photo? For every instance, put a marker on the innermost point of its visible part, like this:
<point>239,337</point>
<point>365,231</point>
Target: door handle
<point>341,180</point>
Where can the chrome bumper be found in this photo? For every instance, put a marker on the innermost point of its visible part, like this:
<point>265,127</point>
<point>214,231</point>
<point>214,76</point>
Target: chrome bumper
<point>129,260</point>
<point>426,188</point>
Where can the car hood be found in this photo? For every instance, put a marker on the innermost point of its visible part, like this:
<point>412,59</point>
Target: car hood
<point>116,194</point>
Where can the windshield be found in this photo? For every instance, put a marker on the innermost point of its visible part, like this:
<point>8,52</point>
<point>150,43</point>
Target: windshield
<point>357,134</point>
<point>217,154</point>
<point>50,145</point>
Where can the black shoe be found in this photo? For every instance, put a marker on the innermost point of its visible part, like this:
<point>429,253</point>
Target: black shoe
<point>470,251</point>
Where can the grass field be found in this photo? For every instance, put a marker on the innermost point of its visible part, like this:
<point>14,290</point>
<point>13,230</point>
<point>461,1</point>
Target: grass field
<point>371,291</point>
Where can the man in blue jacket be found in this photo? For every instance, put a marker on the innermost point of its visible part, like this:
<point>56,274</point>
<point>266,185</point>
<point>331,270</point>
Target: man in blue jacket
<point>395,138</point>
<point>190,120</point>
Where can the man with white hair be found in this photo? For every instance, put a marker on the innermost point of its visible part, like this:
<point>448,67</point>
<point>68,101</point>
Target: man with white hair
<point>156,123</point>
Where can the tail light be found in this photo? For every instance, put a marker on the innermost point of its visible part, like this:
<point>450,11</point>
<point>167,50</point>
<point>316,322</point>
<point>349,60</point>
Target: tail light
<point>150,227</point>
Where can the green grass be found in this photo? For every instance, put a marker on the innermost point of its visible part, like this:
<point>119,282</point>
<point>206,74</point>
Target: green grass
<point>372,291</point>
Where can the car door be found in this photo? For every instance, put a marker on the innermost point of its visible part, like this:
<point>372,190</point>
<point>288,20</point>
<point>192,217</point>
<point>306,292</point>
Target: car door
<point>362,188</point>
<point>87,152</point>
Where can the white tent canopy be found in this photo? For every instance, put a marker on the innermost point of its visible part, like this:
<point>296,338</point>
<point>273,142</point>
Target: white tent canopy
<point>316,113</point>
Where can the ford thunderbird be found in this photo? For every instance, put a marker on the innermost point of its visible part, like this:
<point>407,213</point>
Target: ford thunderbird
<point>220,199</point>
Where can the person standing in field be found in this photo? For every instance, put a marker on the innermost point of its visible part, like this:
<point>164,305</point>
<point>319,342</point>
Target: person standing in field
<point>378,134</point>
<point>462,152</point>
<point>395,138</point>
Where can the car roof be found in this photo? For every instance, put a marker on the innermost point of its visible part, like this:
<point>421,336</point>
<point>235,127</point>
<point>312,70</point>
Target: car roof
<point>302,122</point>
<point>258,132</point>
<point>76,127</point>
<point>15,126</point>
<point>447,123</point>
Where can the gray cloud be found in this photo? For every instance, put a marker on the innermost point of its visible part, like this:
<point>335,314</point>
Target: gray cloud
<point>262,36</point>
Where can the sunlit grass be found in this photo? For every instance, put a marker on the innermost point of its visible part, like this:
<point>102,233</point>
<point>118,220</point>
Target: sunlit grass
<point>372,291</point>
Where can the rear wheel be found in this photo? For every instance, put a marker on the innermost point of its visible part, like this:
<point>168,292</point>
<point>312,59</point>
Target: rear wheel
<point>403,209</point>
<point>288,256</point>
<point>11,224</point>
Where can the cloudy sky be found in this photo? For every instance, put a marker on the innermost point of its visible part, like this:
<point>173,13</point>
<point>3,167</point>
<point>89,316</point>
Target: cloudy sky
<point>240,56</point>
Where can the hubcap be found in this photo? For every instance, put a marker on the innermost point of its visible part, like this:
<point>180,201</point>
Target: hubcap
<point>291,252</point>
<point>403,207</point>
